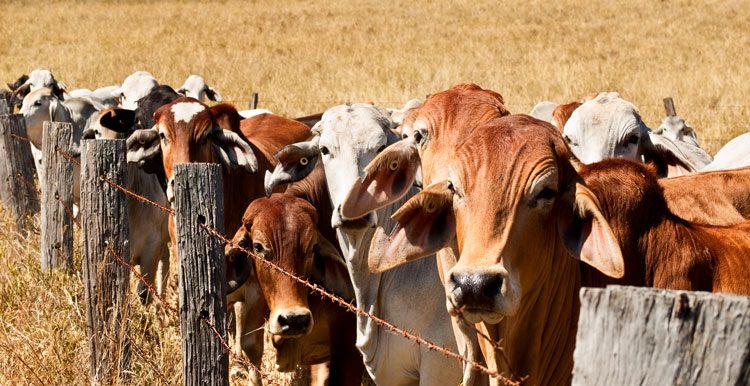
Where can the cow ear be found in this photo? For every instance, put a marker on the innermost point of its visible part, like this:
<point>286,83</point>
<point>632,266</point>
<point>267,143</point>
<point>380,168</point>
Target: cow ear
<point>213,94</point>
<point>543,111</point>
<point>234,150</point>
<point>238,264</point>
<point>59,90</point>
<point>387,178</point>
<point>118,120</point>
<point>668,158</point>
<point>587,235</point>
<point>143,147</point>
<point>296,161</point>
<point>426,224</point>
<point>329,269</point>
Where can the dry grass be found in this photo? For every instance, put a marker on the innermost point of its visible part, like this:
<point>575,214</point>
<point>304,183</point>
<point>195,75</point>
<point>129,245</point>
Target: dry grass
<point>303,57</point>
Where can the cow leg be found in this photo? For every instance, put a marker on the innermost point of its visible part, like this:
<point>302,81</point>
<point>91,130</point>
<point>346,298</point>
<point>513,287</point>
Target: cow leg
<point>250,316</point>
<point>319,374</point>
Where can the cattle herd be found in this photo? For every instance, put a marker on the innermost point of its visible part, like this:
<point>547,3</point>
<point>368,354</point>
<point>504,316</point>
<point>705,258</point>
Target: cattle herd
<point>450,217</point>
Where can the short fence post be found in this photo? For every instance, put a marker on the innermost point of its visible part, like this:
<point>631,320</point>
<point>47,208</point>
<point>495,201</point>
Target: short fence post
<point>669,107</point>
<point>104,214</point>
<point>17,188</point>
<point>254,101</point>
<point>199,201</point>
<point>57,197</point>
<point>644,336</point>
<point>4,105</point>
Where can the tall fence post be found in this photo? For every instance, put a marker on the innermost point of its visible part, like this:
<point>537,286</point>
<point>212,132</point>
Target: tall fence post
<point>254,101</point>
<point>104,214</point>
<point>4,103</point>
<point>57,197</point>
<point>17,189</point>
<point>669,107</point>
<point>644,336</point>
<point>199,201</point>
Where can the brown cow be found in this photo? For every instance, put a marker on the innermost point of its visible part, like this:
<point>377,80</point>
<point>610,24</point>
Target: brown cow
<point>189,131</point>
<point>562,113</point>
<point>522,219</point>
<point>660,249</point>
<point>430,134</point>
<point>305,329</point>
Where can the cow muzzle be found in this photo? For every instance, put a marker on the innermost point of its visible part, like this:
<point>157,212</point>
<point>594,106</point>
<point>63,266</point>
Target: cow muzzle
<point>291,323</point>
<point>357,224</point>
<point>477,295</point>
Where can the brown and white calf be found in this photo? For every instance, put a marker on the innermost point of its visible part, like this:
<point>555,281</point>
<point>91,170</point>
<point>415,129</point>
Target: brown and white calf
<point>187,131</point>
<point>305,328</point>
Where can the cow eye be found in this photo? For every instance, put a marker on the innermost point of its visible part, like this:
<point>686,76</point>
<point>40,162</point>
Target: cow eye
<point>381,148</point>
<point>417,137</point>
<point>257,248</point>
<point>38,102</point>
<point>546,194</point>
<point>162,136</point>
<point>324,150</point>
<point>632,139</point>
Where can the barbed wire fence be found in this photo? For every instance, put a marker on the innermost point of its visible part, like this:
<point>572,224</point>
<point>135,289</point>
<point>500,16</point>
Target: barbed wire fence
<point>511,379</point>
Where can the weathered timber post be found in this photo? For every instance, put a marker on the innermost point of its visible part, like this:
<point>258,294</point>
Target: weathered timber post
<point>669,107</point>
<point>17,188</point>
<point>199,201</point>
<point>57,197</point>
<point>254,101</point>
<point>104,214</point>
<point>643,336</point>
<point>4,110</point>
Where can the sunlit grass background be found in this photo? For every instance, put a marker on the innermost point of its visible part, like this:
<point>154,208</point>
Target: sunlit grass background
<point>303,57</point>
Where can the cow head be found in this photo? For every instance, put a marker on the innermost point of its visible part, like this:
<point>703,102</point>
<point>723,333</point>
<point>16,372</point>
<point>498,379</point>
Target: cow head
<point>519,219</point>
<point>136,86</point>
<point>441,123</point>
<point>37,79</point>
<point>195,87</point>
<point>281,229</point>
<point>186,131</point>
<point>608,126</point>
<point>40,106</point>
<point>347,139</point>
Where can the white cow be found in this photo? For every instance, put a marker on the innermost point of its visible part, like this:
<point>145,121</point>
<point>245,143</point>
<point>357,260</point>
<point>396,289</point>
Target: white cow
<point>39,78</point>
<point>136,86</point>
<point>195,87</point>
<point>43,105</point>
<point>148,225</point>
<point>102,95</point>
<point>347,138</point>
<point>608,126</point>
<point>685,138</point>
<point>735,154</point>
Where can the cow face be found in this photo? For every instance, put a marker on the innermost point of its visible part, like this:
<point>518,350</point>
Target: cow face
<point>429,135</point>
<point>187,131</point>
<point>40,106</point>
<point>514,203</point>
<point>136,86</point>
<point>195,87</point>
<point>280,229</point>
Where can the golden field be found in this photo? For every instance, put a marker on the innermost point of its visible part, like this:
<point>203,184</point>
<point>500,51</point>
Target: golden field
<point>303,57</point>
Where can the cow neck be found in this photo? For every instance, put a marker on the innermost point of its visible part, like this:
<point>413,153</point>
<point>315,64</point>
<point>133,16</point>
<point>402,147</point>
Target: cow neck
<point>539,338</point>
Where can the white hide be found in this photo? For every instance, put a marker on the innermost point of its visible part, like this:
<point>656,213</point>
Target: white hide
<point>735,154</point>
<point>195,87</point>
<point>133,88</point>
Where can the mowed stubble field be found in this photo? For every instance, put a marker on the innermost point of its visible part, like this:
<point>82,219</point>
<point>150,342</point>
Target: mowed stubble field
<point>303,57</point>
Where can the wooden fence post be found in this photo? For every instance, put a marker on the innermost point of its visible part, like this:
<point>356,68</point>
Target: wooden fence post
<point>199,200</point>
<point>643,336</point>
<point>4,103</point>
<point>57,197</point>
<point>17,188</point>
<point>104,214</point>
<point>669,107</point>
<point>254,101</point>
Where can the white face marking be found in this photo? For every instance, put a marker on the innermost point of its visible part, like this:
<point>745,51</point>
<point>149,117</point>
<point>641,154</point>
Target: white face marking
<point>185,111</point>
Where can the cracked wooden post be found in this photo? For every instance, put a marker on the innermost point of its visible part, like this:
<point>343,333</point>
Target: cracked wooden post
<point>57,197</point>
<point>643,336</point>
<point>202,279</point>
<point>104,225</point>
<point>17,188</point>
<point>669,107</point>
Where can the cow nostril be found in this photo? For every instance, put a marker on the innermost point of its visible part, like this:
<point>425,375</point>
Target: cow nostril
<point>491,286</point>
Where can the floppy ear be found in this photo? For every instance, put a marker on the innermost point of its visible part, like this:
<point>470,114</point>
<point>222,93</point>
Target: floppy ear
<point>238,264</point>
<point>587,235</point>
<point>59,90</point>
<point>118,120</point>
<point>543,111</point>
<point>329,269</point>
<point>233,150</point>
<point>668,158</point>
<point>213,94</point>
<point>182,91</point>
<point>143,147</point>
<point>426,224</point>
<point>296,161</point>
<point>387,178</point>
<point>58,112</point>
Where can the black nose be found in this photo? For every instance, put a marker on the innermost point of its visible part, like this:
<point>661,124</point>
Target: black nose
<point>473,290</point>
<point>295,324</point>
